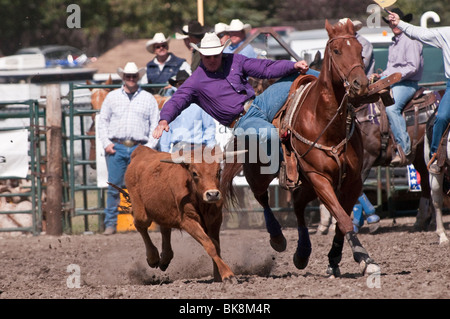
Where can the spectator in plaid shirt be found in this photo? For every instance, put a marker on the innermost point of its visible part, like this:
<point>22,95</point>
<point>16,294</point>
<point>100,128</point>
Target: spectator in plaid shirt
<point>127,118</point>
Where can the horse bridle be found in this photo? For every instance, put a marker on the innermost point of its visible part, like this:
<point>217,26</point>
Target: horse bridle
<point>341,74</point>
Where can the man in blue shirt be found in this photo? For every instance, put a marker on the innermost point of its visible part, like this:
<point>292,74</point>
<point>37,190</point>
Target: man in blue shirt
<point>237,32</point>
<point>193,125</point>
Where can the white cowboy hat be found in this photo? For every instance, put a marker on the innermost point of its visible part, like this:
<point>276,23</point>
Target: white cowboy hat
<point>356,23</point>
<point>238,25</point>
<point>210,44</point>
<point>158,38</point>
<point>131,68</point>
<point>220,27</point>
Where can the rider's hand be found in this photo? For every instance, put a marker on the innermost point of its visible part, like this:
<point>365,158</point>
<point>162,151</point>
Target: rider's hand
<point>394,18</point>
<point>162,126</point>
<point>301,66</point>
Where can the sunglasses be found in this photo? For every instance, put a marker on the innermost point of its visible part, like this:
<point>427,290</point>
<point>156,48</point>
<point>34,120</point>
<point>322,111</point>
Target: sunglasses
<point>131,76</point>
<point>221,35</point>
<point>159,46</point>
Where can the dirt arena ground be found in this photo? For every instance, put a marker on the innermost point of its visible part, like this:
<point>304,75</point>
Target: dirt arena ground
<point>413,265</point>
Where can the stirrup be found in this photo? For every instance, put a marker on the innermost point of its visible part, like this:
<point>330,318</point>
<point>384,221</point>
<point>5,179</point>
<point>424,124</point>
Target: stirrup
<point>431,161</point>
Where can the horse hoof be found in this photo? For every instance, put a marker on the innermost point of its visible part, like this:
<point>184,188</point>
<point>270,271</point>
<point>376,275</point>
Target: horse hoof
<point>373,227</point>
<point>322,229</point>
<point>333,272</point>
<point>299,262</point>
<point>278,243</point>
<point>443,240</point>
<point>369,267</point>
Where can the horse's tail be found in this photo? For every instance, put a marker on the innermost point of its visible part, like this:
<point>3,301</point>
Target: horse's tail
<point>230,170</point>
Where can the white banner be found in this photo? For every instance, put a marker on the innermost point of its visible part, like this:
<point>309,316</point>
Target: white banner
<point>102,171</point>
<point>14,157</point>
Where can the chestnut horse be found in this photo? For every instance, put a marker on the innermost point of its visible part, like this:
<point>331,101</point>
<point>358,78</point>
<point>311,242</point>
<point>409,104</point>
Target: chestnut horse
<point>329,152</point>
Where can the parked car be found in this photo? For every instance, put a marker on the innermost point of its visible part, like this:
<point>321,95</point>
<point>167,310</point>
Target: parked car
<point>58,55</point>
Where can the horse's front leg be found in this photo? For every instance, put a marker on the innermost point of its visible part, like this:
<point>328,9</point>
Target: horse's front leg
<point>341,213</point>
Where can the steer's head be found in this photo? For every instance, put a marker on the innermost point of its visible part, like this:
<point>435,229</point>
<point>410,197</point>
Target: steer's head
<point>204,167</point>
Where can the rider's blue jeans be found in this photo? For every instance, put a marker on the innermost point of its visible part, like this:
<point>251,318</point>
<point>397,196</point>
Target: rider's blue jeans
<point>442,120</point>
<point>258,120</point>
<point>117,164</point>
<point>402,92</point>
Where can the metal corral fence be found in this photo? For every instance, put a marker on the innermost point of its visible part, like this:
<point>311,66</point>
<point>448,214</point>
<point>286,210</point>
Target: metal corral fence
<point>82,196</point>
<point>29,116</point>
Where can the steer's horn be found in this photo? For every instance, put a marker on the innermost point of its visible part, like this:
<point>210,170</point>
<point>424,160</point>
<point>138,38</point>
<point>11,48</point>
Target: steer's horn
<point>232,154</point>
<point>176,160</point>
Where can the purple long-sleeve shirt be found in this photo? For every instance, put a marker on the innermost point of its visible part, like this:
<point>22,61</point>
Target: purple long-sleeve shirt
<point>222,94</point>
<point>405,56</point>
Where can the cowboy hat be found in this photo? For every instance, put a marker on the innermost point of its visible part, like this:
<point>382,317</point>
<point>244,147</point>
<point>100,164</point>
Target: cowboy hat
<point>194,28</point>
<point>357,25</point>
<point>404,17</point>
<point>238,25</point>
<point>182,75</point>
<point>183,36</point>
<point>158,38</point>
<point>220,27</point>
<point>131,68</point>
<point>210,44</point>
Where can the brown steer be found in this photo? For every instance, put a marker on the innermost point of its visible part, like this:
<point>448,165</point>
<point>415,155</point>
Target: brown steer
<point>183,195</point>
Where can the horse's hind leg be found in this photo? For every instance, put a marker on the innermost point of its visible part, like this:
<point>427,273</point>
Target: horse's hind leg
<point>277,239</point>
<point>302,196</point>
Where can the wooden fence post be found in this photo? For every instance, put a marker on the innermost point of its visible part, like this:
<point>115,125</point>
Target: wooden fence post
<point>54,161</point>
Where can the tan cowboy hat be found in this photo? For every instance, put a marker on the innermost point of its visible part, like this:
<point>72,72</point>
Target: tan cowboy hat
<point>357,25</point>
<point>158,38</point>
<point>131,68</point>
<point>238,25</point>
<point>210,44</point>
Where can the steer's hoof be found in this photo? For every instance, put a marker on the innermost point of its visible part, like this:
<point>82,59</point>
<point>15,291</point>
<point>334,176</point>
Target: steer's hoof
<point>153,264</point>
<point>278,243</point>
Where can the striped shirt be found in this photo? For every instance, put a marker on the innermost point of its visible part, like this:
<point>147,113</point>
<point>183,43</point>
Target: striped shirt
<point>125,119</point>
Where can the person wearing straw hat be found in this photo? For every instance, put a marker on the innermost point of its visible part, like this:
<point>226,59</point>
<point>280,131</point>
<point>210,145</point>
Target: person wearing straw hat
<point>195,31</point>
<point>127,117</point>
<point>193,125</point>
<point>165,64</point>
<point>220,87</point>
<point>405,57</point>
<point>238,31</point>
<point>439,38</point>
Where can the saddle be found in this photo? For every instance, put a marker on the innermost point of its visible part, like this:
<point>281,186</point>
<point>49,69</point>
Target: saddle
<point>418,110</point>
<point>289,176</point>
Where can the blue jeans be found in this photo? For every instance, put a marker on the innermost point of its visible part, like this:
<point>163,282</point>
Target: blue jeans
<point>402,92</point>
<point>117,164</point>
<point>441,121</point>
<point>258,120</point>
